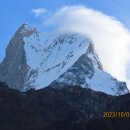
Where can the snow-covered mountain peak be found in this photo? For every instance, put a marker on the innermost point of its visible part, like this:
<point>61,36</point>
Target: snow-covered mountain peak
<point>56,59</point>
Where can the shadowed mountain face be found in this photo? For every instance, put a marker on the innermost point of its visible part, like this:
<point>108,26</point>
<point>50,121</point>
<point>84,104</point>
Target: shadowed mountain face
<point>14,68</point>
<point>36,60</point>
<point>71,108</point>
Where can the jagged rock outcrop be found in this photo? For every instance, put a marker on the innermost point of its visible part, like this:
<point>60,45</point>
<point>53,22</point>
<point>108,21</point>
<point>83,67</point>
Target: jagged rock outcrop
<point>14,68</point>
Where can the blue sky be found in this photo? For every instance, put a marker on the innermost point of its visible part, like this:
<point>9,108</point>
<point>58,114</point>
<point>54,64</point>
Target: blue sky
<point>16,12</point>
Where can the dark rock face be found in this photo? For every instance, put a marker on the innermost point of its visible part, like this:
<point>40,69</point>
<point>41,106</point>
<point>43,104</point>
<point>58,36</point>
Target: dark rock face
<point>14,67</point>
<point>72,108</point>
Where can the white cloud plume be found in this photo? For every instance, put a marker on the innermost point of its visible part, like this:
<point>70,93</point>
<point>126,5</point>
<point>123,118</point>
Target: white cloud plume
<point>110,37</point>
<point>39,11</point>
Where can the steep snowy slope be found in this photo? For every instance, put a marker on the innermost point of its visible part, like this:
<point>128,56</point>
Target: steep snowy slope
<point>50,56</point>
<point>55,59</point>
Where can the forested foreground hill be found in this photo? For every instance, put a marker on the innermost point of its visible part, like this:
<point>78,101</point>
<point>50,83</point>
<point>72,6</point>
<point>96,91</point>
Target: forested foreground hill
<point>71,108</point>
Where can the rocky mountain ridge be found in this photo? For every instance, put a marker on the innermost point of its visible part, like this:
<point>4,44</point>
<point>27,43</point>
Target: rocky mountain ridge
<point>35,60</point>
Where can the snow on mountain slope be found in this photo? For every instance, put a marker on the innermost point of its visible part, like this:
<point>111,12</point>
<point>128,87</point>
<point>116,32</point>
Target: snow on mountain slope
<point>111,85</point>
<point>36,60</point>
<point>52,56</point>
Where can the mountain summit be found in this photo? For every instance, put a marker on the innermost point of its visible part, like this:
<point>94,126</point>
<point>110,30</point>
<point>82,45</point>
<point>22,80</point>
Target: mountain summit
<point>35,60</point>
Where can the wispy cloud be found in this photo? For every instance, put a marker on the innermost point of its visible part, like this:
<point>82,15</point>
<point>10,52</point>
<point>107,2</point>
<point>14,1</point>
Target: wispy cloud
<point>39,11</point>
<point>110,37</point>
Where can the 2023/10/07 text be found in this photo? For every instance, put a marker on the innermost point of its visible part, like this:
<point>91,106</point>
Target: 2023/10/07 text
<point>116,114</point>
